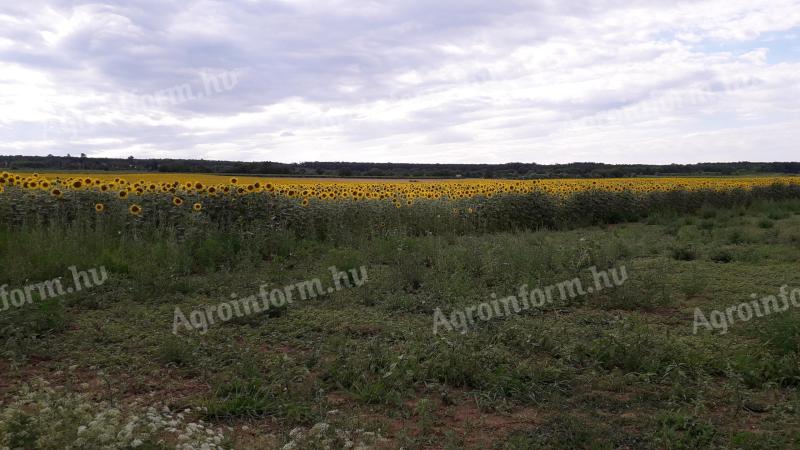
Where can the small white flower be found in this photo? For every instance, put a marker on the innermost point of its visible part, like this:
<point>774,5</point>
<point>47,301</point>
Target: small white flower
<point>319,429</point>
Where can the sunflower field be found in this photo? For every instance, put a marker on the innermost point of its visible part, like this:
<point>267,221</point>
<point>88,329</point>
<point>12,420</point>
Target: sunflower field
<point>322,208</point>
<point>369,357</point>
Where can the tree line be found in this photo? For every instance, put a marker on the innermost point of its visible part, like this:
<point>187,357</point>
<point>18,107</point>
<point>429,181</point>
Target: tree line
<point>392,170</point>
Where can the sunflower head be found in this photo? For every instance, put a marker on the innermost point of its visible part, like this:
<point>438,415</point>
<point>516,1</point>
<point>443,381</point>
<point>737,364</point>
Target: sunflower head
<point>56,193</point>
<point>304,202</point>
<point>177,201</point>
<point>197,206</point>
<point>135,209</point>
<point>234,180</point>
<point>123,194</point>
<point>99,207</point>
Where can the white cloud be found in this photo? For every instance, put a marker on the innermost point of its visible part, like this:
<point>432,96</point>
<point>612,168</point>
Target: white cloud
<point>409,81</point>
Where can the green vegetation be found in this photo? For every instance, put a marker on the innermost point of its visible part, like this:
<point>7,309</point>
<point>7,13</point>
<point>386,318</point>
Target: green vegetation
<point>616,369</point>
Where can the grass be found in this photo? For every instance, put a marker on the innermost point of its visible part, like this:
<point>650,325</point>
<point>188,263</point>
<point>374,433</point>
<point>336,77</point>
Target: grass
<point>616,369</point>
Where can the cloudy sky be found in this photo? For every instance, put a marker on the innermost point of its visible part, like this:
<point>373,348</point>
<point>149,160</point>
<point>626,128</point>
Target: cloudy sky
<point>646,81</point>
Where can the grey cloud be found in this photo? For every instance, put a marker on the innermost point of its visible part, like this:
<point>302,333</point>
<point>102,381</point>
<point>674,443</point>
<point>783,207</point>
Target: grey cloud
<point>346,55</point>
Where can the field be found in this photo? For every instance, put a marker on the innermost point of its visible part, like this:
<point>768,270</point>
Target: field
<point>140,355</point>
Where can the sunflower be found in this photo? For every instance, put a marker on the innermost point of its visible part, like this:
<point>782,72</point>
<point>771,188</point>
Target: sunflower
<point>135,209</point>
<point>123,194</point>
<point>77,184</point>
<point>57,193</point>
<point>234,180</point>
<point>99,207</point>
<point>177,201</point>
<point>197,206</point>
<point>304,202</point>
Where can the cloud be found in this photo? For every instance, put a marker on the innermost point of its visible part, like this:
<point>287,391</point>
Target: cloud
<point>405,81</point>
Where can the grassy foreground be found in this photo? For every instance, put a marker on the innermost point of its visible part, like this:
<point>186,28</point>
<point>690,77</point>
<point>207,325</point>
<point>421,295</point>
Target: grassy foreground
<point>620,368</point>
